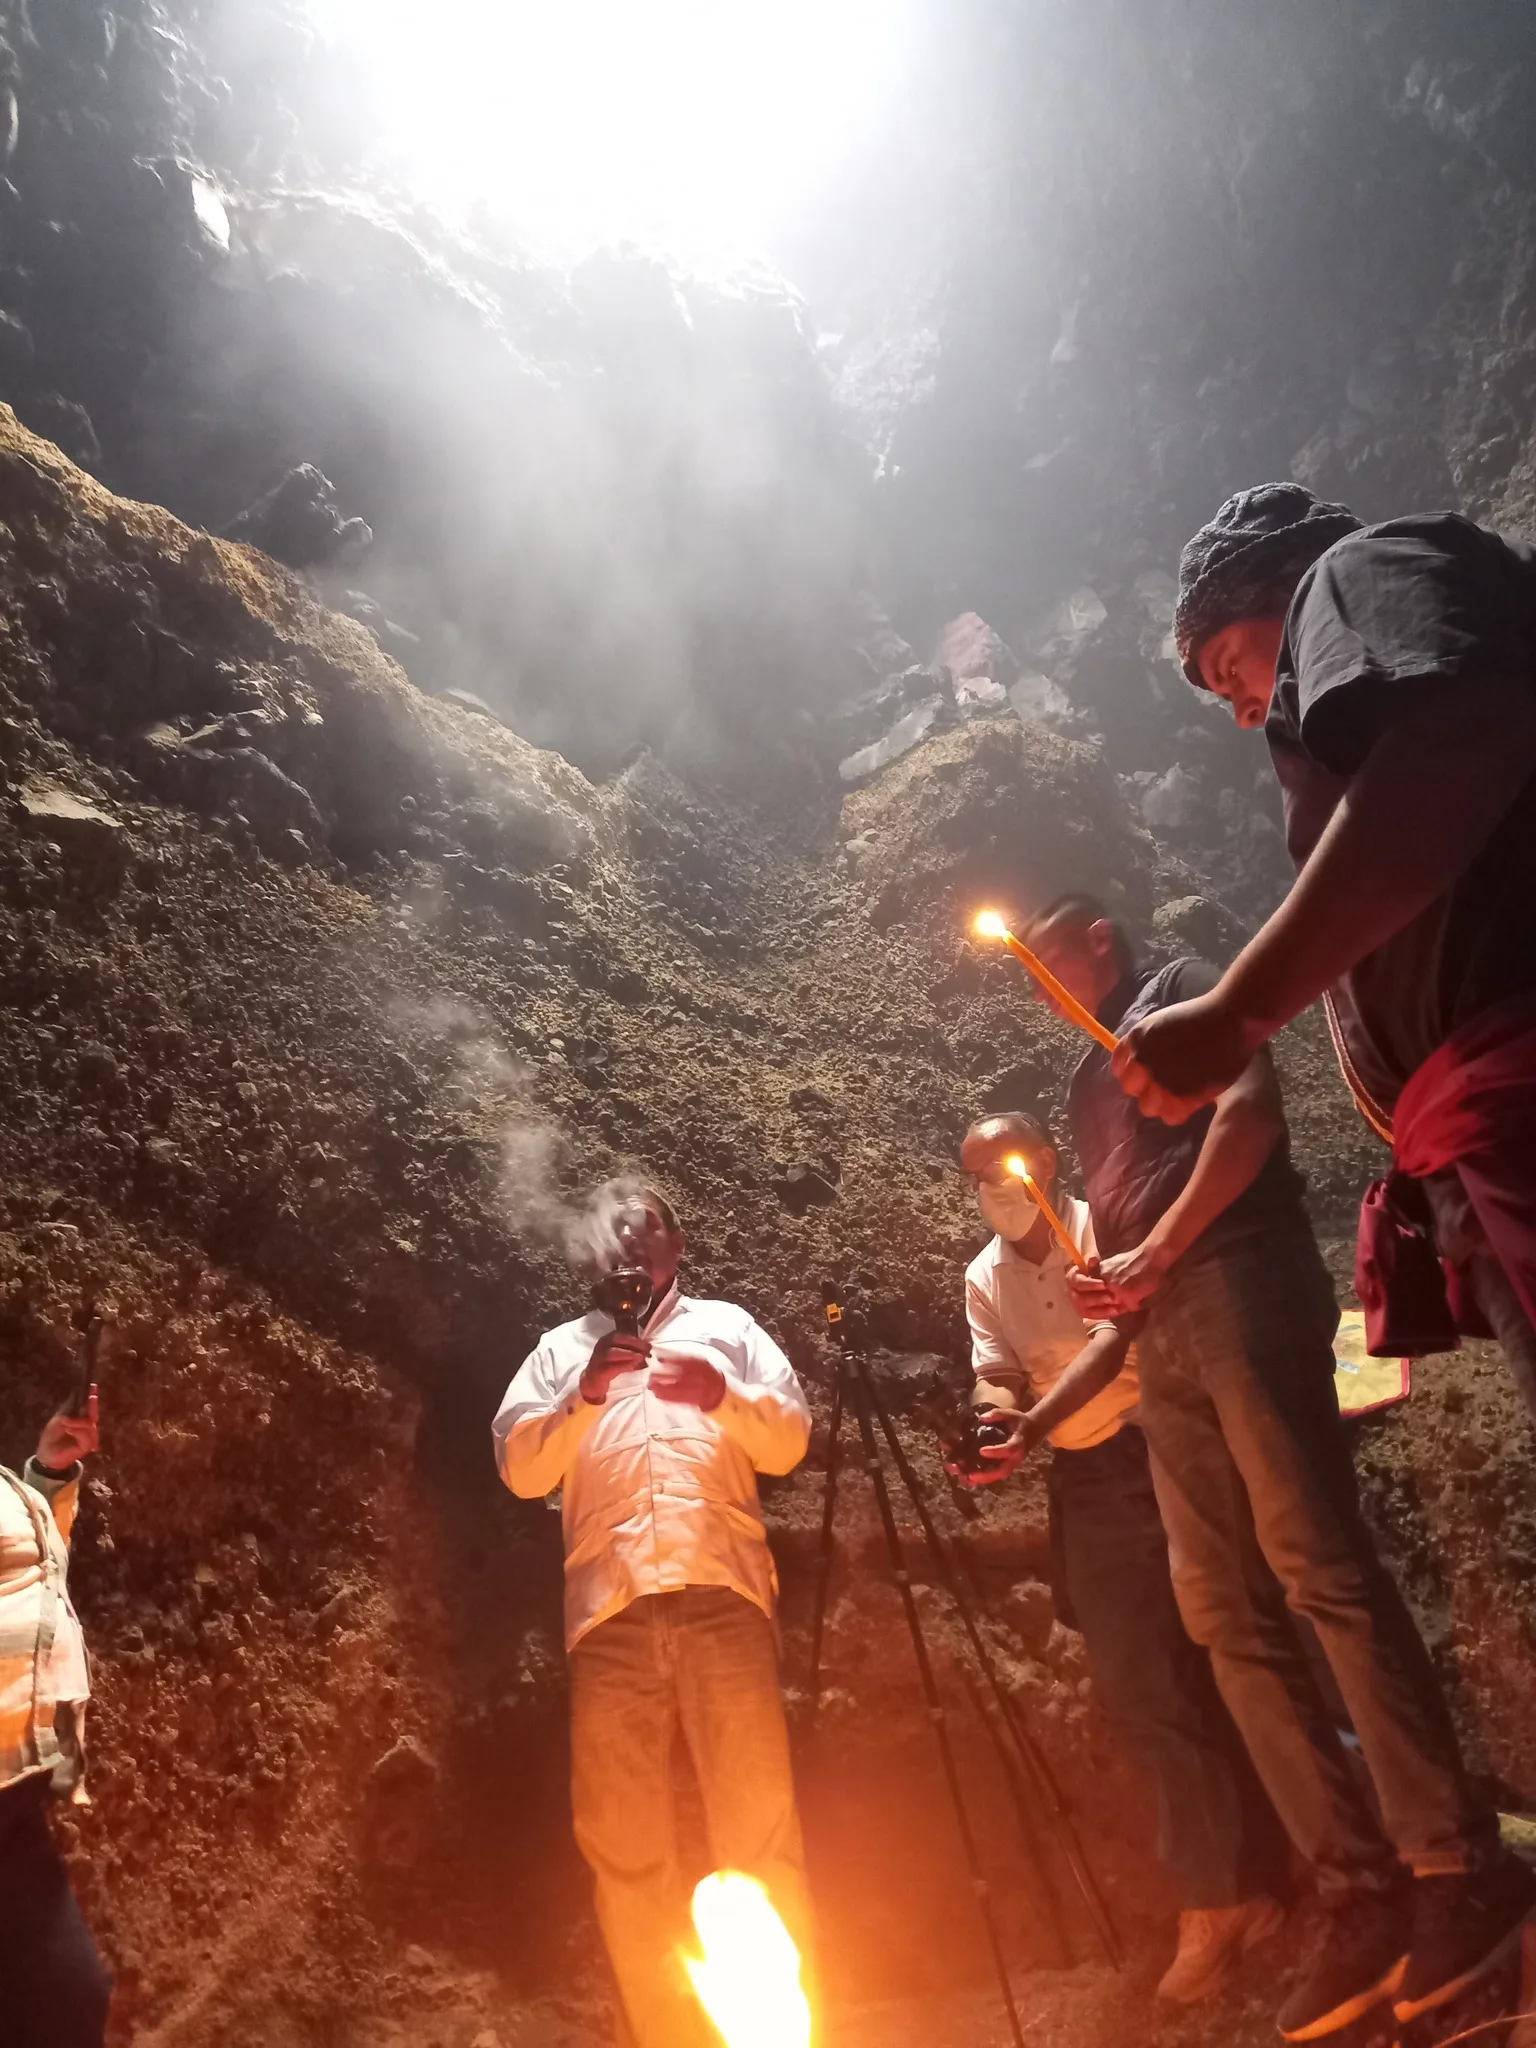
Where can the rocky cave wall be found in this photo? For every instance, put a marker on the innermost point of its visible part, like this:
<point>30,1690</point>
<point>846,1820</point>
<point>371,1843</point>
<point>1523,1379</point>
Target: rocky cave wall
<point>1102,265</point>
<point>326,994</point>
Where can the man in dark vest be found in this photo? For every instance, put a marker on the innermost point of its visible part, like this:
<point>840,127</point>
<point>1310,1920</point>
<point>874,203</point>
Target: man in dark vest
<point>1202,1225</point>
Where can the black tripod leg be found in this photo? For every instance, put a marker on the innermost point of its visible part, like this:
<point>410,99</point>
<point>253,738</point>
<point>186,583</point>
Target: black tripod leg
<point>1027,1750</point>
<point>1044,1885</point>
<point>824,1565</point>
<point>858,1391</point>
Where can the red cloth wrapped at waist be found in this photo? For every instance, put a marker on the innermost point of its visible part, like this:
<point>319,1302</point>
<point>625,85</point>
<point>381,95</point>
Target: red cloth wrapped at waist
<point>1472,1106</point>
<point>1476,1091</point>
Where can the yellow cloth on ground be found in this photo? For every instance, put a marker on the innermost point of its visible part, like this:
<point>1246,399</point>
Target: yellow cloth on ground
<point>1363,1382</point>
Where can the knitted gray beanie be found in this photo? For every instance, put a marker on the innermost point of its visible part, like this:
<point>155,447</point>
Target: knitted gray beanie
<point>1247,561</point>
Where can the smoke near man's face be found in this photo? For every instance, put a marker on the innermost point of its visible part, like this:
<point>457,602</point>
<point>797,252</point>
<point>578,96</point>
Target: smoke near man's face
<point>620,1225</point>
<point>490,1092</point>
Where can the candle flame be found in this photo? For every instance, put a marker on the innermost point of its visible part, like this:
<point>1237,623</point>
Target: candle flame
<point>989,925</point>
<point>748,1979</point>
<point>1015,1163</point>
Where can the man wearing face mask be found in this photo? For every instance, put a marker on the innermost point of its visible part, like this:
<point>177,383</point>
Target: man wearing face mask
<point>1217,1835</point>
<point>656,1438</point>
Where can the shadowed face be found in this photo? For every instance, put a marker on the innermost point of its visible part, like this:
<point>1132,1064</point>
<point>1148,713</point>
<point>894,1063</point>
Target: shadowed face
<point>1238,665</point>
<point>1082,958</point>
<point>990,1144</point>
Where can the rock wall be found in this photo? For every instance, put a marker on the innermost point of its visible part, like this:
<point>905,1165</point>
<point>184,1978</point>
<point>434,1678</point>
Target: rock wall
<point>326,996</point>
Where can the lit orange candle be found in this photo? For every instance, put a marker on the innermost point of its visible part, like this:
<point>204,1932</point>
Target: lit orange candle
<point>1015,1164</point>
<point>990,926</point>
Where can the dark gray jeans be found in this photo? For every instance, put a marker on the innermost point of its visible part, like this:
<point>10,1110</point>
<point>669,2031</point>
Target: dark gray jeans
<point>1216,1833</point>
<point>1253,1467</point>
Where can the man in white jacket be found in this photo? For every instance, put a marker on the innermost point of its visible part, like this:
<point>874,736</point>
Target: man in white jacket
<point>656,1440</point>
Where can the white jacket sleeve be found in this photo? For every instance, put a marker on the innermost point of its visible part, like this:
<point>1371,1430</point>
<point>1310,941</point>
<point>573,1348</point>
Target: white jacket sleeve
<point>764,1410</point>
<point>537,1431</point>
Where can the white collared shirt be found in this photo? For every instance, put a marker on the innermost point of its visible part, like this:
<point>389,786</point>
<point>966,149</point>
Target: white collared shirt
<point>657,1495</point>
<point>1026,1329</point>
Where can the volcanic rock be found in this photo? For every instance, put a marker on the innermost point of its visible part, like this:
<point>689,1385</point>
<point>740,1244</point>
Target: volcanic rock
<point>801,1187</point>
<point>912,727</point>
<point>982,668</point>
<point>300,522</point>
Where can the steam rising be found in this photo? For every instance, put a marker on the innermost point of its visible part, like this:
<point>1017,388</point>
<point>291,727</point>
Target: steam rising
<point>490,1090</point>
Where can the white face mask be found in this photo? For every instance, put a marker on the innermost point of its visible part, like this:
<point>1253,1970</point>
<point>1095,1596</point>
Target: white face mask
<point>1010,1208</point>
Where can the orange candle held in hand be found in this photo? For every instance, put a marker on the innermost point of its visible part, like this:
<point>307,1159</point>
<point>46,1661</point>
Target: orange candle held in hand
<point>990,926</point>
<point>1015,1164</point>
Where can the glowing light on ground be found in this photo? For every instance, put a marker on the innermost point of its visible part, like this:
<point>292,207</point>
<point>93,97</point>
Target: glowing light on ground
<point>695,125</point>
<point>748,1979</point>
<point>990,926</point>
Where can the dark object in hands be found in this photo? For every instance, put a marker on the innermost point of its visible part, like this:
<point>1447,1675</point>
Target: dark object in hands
<point>962,1434</point>
<point>625,1295</point>
<point>974,1437</point>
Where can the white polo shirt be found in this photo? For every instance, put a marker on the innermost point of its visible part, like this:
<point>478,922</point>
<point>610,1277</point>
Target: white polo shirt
<point>1025,1330</point>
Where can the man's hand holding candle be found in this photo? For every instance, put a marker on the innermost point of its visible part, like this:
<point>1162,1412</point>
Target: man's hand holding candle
<point>1119,1285</point>
<point>1179,1059</point>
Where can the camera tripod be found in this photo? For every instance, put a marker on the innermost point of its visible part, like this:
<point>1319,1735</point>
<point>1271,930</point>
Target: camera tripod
<point>1030,1779</point>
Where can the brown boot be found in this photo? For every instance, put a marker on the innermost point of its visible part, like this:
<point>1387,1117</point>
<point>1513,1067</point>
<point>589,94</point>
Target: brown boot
<point>1209,1938</point>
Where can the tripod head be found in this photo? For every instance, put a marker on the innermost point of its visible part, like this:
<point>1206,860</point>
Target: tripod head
<point>832,1309</point>
<point>844,1325</point>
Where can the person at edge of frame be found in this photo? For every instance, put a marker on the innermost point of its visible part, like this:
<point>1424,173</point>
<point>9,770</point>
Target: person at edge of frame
<point>1217,1834</point>
<point>1202,1224</point>
<point>670,1592</point>
<point>54,1986</point>
<point>1392,669</point>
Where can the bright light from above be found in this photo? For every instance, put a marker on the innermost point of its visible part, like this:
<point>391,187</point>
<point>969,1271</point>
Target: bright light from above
<point>696,125</point>
<point>990,926</point>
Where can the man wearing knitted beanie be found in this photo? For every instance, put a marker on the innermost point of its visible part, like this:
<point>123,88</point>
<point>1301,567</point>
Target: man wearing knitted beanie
<point>1393,671</point>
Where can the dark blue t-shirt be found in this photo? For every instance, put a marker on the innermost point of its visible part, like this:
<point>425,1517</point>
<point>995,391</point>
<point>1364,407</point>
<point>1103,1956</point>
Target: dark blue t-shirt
<point>1134,1167</point>
<point>1387,614</point>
